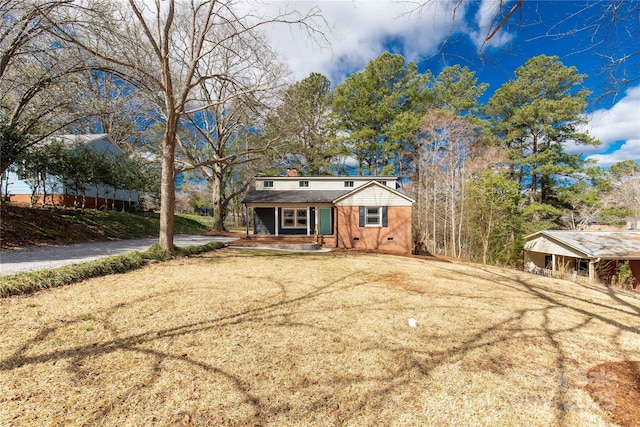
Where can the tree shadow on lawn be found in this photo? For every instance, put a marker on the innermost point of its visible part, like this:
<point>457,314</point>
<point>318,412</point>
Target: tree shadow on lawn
<point>552,295</point>
<point>552,334</point>
<point>598,384</point>
<point>409,359</point>
<point>134,343</point>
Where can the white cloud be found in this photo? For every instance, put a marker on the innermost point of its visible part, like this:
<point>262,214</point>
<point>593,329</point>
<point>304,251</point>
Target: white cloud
<point>630,150</point>
<point>359,31</point>
<point>621,122</point>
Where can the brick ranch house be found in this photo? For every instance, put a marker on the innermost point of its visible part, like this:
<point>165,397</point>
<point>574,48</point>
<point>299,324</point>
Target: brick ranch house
<point>340,212</point>
<point>582,255</point>
<point>60,193</point>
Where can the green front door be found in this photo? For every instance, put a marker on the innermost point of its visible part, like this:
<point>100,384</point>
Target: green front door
<point>325,221</point>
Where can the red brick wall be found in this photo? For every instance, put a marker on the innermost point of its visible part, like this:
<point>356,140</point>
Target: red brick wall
<point>394,238</point>
<point>327,241</point>
<point>61,200</point>
<point>52,200</point>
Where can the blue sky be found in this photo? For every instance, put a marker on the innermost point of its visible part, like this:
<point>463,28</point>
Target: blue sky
<point>360,30</point>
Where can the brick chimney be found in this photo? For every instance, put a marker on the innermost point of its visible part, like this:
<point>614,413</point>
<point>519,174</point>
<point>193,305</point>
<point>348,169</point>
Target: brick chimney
<point>292,172</point>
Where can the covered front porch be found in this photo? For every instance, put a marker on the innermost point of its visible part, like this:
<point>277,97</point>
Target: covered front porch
<point>577,269</point>
<point>565,267</point>
<point>593,255</point>
<point>291,220</point>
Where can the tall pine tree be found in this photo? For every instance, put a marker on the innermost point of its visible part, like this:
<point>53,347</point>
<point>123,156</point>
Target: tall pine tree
<point>380,109</point>
<point>534,116</point>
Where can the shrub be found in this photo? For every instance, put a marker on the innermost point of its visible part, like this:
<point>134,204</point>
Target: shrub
<point>25,283</point>
<point>624,278</point>
<point>194,250</point>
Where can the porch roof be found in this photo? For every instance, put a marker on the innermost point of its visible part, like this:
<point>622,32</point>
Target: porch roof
<point>595,244</point>
<point>292,196</point>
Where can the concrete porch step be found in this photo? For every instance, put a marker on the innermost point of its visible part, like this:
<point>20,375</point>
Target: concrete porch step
<point>314,246</point>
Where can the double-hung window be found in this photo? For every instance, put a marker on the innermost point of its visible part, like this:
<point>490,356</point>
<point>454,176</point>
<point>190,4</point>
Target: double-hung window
<point>294,218</point>
<point>303,184</point>
<point>373,217</point>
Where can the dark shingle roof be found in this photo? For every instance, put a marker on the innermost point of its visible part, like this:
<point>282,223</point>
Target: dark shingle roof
<point>292,196</point>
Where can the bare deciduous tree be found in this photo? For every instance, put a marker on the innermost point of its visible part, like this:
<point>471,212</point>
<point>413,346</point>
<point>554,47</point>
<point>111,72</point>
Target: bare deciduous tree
<point>625,177</point>
<point>38,77</point>
<point>161,47</point>
<point>215,140</point>
<point>448,153</point>
<point>110,105</point>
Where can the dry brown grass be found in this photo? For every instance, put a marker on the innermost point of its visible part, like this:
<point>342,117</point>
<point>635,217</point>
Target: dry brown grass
<point>259,338</point>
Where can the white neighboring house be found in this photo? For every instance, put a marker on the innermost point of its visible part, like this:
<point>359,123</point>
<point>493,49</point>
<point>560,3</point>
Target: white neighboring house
<point>60,193</point>
<point>588,255</point>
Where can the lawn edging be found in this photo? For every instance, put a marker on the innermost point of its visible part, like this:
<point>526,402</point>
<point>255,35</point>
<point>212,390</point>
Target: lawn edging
<point>33,281</point>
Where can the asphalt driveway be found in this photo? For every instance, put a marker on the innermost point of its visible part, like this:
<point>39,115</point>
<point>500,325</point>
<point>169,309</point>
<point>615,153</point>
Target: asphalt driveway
<point>45,257</point>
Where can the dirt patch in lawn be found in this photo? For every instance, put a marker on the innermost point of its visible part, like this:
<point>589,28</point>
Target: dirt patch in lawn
<point>247,337</point>
<point>615,386</point>
<point>402,281</point>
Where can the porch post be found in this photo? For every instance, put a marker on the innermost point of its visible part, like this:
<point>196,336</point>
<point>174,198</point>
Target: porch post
<point>246,220</point>
<point>592,270</point>
<point>334,222</point>
<point>277,220</point>
<point>315,223</point>
<point>553,262</point>
<point>308,221</point>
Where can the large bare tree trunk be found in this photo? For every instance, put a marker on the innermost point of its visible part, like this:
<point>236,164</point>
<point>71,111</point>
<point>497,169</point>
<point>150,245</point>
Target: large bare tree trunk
<point>167,195</point>
<point>166,50</point>
<point>217,190</point>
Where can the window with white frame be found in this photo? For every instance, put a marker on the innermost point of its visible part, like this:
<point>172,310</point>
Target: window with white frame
<point>373,217</point>
<point>303,184</point>
<point>267,184</point>
<point>348,184</point>
<point>382,182</point>
<point>294,218</point>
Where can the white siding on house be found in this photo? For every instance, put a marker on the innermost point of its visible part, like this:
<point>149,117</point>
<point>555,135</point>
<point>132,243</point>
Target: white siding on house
<point>16,185</point>
<point>55,186</point>
<point>101,144</point>
<point>544,245</point>
<point>374,196</point>
<point>318,183</point>
<point>105,192</point>
<point>533,260</point>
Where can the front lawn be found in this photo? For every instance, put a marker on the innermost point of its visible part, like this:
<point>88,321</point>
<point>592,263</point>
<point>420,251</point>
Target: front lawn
<point>241,337</point>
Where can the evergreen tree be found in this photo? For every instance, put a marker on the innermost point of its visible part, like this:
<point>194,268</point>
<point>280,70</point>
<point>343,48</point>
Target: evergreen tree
<point>533,116</point>
<point>380,109</point>
<point>493,218</point>
<point>302,125</point>
<point>456,88</point>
